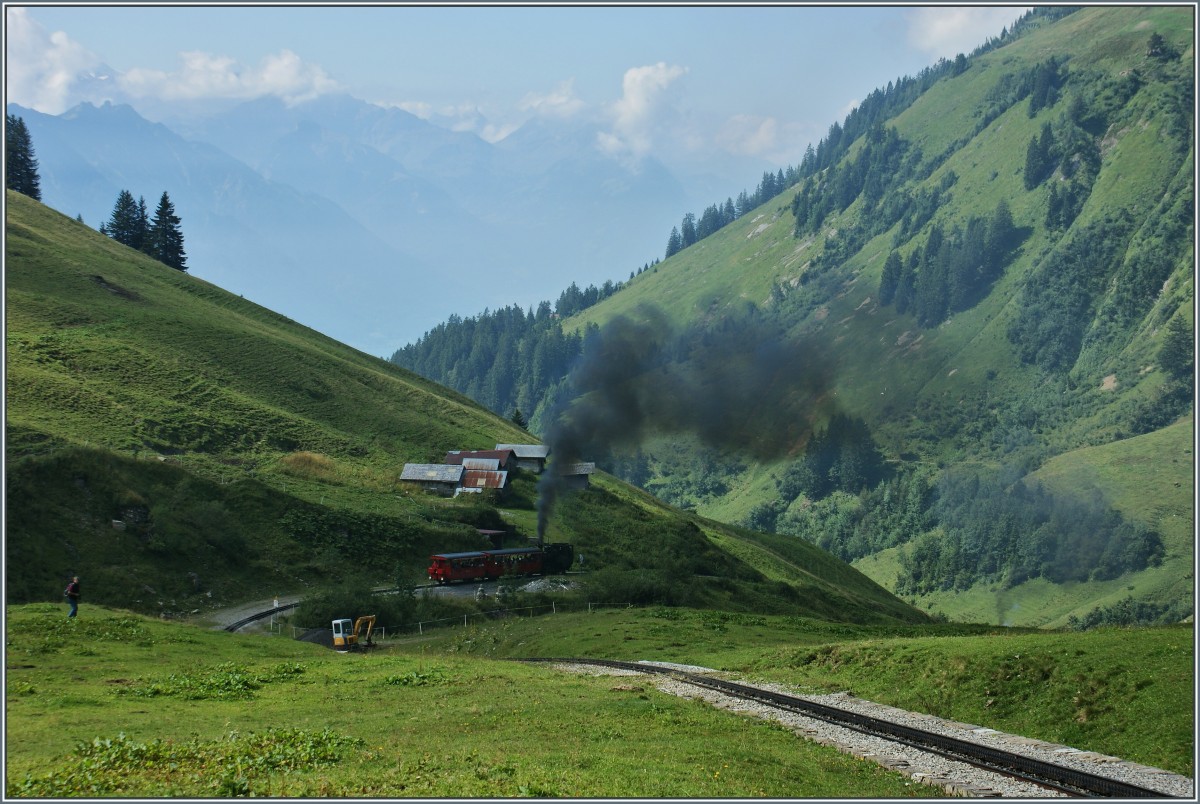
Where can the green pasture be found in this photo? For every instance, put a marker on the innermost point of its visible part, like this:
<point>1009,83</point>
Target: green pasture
<point>117,705</point>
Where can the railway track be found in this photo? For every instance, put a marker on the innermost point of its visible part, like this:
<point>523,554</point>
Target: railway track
<point>1062,779</point>
<point>238,625</point>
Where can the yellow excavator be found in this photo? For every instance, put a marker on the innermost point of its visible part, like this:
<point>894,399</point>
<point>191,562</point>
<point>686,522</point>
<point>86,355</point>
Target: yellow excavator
<point>348,636</point>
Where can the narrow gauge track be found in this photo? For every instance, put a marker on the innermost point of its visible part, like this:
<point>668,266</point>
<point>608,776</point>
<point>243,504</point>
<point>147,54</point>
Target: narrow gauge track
<point>261,615</point>
<point>1066,780</point>
<point>238,625</point>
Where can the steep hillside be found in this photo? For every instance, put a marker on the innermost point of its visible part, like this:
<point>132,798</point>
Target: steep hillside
<point>983,277</point>
<point>180,448</point>
<point>1058,349</point>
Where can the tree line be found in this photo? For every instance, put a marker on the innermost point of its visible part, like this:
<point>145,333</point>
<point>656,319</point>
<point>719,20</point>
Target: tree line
<point>952,271</point>
<point>717,216</point>
<point>159,236</point>
<point>961,526</point>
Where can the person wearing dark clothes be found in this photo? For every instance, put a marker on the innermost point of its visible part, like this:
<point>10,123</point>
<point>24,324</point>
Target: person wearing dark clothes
<point>73,596</point>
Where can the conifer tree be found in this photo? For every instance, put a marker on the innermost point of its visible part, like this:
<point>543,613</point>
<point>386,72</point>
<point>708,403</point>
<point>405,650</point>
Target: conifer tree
<point>674,242</point>
<point>127,224</point>
<point>21,166</point>
<point>164,241</point>
<point>890,281</point>
<point>519,419</point>
<point>1177,353</point>
<point>687,229</point>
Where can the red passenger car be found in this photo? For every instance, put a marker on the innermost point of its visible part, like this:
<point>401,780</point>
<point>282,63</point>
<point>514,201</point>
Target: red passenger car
<point>483,565</point>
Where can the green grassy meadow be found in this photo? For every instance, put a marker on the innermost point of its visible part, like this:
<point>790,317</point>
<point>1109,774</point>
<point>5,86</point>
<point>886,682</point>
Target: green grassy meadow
<point>115,704</point>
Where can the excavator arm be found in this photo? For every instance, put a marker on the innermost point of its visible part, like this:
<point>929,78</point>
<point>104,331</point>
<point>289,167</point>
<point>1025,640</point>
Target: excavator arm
<point>367,621</point>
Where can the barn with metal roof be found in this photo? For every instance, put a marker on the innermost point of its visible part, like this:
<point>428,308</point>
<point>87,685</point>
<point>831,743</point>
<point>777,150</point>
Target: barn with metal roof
<point>438,477</point>
<point>529,456</point>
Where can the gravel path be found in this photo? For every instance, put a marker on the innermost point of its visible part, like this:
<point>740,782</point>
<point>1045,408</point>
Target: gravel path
<point>957,778</point>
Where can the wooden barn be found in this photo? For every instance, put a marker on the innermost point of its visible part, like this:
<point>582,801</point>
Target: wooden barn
<point>577,475</point>
<point>506,458</point>
<point>436,477</point>
<point>531,457</point>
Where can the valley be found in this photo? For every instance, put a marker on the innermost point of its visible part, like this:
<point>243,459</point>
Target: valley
<point>917,427</point>
<point>962,326</point>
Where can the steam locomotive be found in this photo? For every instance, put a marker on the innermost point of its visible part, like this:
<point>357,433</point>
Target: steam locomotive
<point>486,565</point>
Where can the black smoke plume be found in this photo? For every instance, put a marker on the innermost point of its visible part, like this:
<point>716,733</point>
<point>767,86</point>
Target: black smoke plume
<point>740,385</point>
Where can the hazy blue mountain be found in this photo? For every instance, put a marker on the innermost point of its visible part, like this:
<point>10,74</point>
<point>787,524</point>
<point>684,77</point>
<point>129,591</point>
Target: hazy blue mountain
<point>295,252</point>
<point>369,223</point>
<point>519,212</point>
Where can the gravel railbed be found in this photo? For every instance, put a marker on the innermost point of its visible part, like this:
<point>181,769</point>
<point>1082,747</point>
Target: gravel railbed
<point>957,778</point>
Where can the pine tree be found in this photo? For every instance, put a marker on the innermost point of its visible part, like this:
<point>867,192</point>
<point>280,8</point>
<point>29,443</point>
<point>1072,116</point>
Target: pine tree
<point>687,229</point>
<point>127,224</point>
<point>164,241</point>
<point>1177,353</point>
<point>674,242</point>
<point>1039,158</point>
<point>890,281</point>
<point>519,419</point>
<point>21,166</point>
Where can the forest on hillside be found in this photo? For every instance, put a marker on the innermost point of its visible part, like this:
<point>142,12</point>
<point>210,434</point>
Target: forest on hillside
<point>953,498</point>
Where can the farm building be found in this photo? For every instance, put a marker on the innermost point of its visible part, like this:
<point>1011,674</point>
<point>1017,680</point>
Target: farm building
<point>437,477</point>
<point>482,465</point>
<point>577,475</point>
<point>475,481</point>
<point>506,457</point>
<point>531,457</point>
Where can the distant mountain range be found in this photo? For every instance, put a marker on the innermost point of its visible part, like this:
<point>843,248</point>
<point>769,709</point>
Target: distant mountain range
<point>366,223</point>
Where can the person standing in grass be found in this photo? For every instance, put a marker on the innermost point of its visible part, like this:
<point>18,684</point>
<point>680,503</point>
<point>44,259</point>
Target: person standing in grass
<point>73,596</point>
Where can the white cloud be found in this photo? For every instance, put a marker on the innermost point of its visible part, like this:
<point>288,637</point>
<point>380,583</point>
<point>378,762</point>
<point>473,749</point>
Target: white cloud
<point>768,138</point>
<point>643,108</point>
<point>559,102</point>
<point>494,132</point>
<point>42,68</point>
<point>749,135</point>
<point>421,109</point>
<point>205,76</point>
<point>946,31</point>
<point>50,72</point>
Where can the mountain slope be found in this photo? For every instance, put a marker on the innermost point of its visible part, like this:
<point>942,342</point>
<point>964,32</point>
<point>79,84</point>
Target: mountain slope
<point>991,277</point>
<point>180,447</point>
<point>241,231</point>
<point>982,385</point>
<point>431,221</point>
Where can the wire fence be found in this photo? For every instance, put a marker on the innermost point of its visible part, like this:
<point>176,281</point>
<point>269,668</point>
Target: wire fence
<point>381,633</point>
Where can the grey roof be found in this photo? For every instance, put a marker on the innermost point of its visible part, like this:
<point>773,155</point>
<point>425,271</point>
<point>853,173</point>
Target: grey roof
<point>527,450</point>
<point>573,469</point>
<point>460,455</point>
<point>484,464</point>
<point>432,472</point>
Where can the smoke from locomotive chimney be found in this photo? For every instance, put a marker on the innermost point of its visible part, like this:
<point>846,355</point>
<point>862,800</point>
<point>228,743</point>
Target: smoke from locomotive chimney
<point>741,386</point>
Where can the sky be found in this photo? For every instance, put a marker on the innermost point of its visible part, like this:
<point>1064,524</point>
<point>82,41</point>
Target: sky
<point>673,82</point>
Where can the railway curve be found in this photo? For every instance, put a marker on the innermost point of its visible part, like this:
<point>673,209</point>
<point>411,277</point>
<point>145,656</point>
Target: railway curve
<point>1049,778</point>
